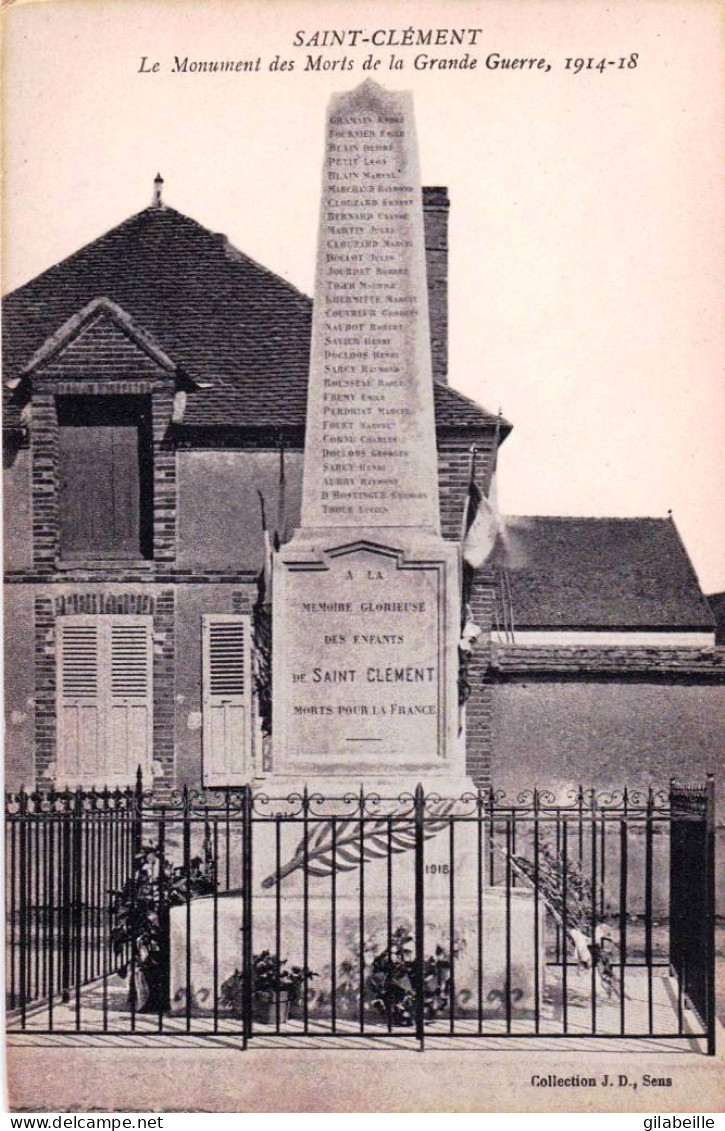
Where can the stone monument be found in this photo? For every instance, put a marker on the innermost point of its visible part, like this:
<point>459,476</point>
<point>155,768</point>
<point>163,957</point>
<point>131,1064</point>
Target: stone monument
<point>366,625</point>
<point>366,597</point>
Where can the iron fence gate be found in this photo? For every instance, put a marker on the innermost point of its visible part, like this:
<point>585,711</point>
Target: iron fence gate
<point>248,916</point>
<point>692,887</point>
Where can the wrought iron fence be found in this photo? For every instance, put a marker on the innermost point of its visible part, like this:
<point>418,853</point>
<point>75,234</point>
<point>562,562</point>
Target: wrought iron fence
<point>245,915</point>
<point>64,852</point>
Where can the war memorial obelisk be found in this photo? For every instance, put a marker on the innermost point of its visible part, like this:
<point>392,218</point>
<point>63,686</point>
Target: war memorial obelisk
<point>366,618</point>
<point>366,595</point>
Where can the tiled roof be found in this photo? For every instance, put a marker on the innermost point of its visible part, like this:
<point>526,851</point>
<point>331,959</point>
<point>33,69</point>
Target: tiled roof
<point>700,663</point>
<point>602,573</point>
<point>221,317</point>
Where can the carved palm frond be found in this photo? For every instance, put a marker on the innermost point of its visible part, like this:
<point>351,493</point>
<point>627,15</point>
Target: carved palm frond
<point>356,840</point>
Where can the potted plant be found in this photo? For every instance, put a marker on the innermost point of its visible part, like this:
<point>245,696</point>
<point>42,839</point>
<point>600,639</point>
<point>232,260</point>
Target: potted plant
<point>390,985</point>
<point>274,988</point>
<point>140,921</point>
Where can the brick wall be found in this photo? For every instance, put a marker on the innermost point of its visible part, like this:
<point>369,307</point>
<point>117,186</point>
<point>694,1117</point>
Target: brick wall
<point>165,500</point>
<point>435,226</point>
<point>243,600</point>
<point>44,480</point>
<point>164,686</point>
<point>454,472</point>
<point>479,708</point>
<point>44,693</point>
<point>19,685</point>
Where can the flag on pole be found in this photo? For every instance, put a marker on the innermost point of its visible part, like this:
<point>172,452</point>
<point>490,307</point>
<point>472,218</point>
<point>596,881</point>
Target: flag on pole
<point>265,578</point>
<point>262,652</point>
<point>482,524</point>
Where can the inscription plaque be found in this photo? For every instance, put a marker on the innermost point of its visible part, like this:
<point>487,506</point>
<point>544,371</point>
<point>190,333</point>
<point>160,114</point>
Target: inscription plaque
<point>364,666</point>
<point>370,408</point>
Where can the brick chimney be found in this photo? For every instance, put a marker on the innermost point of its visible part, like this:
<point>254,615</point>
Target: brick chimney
<point>158,191</point>
<point>435,223</point>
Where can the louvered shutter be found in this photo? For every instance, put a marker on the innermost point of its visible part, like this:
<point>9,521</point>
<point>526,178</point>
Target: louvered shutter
<point>227,699</point>
<point>80,731</point>
<point>105,724</point>
<point>129,736</point>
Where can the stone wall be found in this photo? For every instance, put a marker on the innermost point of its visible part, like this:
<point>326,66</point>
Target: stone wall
<point>19,685</point>
<point>607,734</point>
<point>558,735</point>
<point>219,521</point>
<point>17,515</point>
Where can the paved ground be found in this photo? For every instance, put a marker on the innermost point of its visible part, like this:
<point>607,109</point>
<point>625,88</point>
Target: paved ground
<point>151,1073</point>
<point>650,1013</point>
<point>209,1078</point>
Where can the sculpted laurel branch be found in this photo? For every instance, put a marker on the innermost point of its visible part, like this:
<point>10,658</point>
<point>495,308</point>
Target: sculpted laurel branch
<point>355,841</point>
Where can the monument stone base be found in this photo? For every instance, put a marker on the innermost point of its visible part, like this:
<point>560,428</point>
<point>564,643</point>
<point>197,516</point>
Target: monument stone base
<point>498,964</point>
<point>366,631</point>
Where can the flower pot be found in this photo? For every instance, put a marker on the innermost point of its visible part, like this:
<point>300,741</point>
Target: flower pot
<point>264,1007</point>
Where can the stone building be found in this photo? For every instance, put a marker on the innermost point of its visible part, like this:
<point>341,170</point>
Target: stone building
<point>154,400</point>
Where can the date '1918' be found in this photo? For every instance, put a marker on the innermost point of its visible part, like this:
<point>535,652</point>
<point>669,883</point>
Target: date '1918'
<point>628,62</point>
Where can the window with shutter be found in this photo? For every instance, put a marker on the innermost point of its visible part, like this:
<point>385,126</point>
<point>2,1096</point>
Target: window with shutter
<point>107,514</point>
<point>227,699</point>
<point>104,698</point>
<point>79,753</point>
<point>129,698</point>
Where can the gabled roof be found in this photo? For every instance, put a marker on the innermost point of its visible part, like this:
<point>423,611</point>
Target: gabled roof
<point>221,318</point>
<point>602,573</point>
<point>95,310</point>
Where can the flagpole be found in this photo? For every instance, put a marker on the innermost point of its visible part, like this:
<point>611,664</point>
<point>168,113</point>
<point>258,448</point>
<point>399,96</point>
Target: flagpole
<point>261,507</point>
<point>281,533</point>
<point>266,575</point>
<point>496,439</point>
